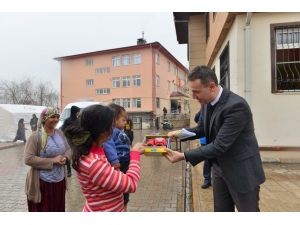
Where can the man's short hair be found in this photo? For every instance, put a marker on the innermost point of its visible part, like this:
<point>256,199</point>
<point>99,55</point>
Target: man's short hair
<point>205,74</point>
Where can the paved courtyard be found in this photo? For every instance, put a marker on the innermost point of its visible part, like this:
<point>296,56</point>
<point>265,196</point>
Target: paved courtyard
<point>161,187</point>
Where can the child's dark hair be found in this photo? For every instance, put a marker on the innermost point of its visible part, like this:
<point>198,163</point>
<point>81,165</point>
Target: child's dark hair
<point>118,110</point>
<point>94,120</point>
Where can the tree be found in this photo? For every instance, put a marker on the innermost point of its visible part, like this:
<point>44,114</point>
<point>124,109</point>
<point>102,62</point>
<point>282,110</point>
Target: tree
<point>27,92</point>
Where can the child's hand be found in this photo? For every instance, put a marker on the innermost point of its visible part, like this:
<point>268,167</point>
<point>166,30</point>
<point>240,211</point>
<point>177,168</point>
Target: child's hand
<point>140,147</point>
<point>116,166</point>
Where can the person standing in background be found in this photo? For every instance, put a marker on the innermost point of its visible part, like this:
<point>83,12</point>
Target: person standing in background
<point>128,129</point>
<point>165,112</point>
<point>71,120</point>
<point>179,108</point>
<point>206,165</point>
<point>33,122</point>
<point>20,135</point>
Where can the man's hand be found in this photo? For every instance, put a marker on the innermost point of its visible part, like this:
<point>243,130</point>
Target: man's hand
<point>173,134</point>
<point>173,156</point>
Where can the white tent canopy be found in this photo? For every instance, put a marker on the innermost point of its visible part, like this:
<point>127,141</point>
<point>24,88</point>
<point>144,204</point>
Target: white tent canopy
<point>10,114</point>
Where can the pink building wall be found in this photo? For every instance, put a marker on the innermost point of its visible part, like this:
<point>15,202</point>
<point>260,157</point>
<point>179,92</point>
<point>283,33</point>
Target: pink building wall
<point>75,72</point>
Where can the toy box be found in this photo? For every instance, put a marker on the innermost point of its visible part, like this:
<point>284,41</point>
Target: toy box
<point>156,144</point>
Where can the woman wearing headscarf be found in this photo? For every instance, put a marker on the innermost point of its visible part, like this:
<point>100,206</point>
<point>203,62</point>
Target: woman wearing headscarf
<point>47,153</point>
<point>21,131</point>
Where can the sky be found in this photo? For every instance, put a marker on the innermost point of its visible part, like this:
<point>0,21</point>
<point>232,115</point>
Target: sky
<point>34,32</point>
<point>30,40</point>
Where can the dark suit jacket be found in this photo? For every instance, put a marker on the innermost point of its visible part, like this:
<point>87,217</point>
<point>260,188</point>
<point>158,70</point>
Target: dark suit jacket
<point>232,142</point>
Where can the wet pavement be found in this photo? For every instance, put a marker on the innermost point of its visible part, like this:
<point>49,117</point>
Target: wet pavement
<point>280,192</point>
<point>161,188</point>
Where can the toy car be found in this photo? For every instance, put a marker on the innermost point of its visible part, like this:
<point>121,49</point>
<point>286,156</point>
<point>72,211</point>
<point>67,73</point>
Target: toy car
<point>156,144</point>
<point>160,142</point>
<point>150,142</point>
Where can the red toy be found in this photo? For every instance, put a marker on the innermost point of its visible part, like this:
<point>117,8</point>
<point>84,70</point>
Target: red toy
<point>160,142</point>
<point>150,142</point>
<point>156,142</point>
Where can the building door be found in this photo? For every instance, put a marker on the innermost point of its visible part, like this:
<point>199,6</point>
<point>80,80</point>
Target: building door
<point>137,124</point>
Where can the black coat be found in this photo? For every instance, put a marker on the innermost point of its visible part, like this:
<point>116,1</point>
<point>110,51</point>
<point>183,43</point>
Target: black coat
<point>72,120</point>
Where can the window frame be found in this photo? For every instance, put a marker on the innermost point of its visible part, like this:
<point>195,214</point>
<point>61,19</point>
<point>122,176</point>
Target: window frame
<point>116,59</point>
<point>89,60</point>
<point>116,80</point>
<point>134,58</point>
<point>127,58</point>
<point>92,82</point>
<point>274,63</point>
<point>116,101</point>
<point>127,101</point>
<point>157,58</point>
<point>127,80</point>
<point>224,63</point>
<point>134,80</point>
<point>135,102</point>
<point>105,91</point>
<point>102,70</point>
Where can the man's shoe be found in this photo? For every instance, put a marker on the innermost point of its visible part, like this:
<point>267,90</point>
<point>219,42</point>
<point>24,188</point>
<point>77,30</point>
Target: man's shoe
<point>69,173</point>
<point>206,185</point>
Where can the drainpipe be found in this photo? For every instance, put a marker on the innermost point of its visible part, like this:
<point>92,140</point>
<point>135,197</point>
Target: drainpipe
<point>248,55</point>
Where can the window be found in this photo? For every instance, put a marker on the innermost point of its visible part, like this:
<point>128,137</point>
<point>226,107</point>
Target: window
<point>168,85</point>
<point>126,81</point>
<point>116,101</point>
<point>157,80</point>
<point>102,70</point>
<point>89,82</point>
<point>136,58</point>
<point>103,91</point>
<point>157,58</point>
<point>157,103</point>
<point>116,60</point>
<point>89,100</point>
<point>116,82</point>
<point>125,60</point>
<point>168,66</point>
<point>126,103</point>
<point>89,62</point>
<point>136,102</point>
<point>224,67</point>
<point>285,57</point>
<point>175,71</point>
<point>136,80</point>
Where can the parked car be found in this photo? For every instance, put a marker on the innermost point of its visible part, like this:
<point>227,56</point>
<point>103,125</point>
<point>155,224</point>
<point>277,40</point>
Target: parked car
<point>67,110</point>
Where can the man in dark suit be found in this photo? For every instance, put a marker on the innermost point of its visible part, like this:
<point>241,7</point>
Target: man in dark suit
<point>232,148</point>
